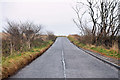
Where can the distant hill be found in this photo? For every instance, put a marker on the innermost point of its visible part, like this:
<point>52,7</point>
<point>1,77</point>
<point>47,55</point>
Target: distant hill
<point>3,35</point>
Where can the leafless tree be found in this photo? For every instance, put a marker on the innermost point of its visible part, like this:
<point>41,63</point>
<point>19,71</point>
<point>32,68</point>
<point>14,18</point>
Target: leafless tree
<point>51,35</point>
<point>79,22</point>
<point>14,35</point>
<point>21,35</point>
<point>119,13</point>
<point>104,16</point>
<point>109,21</point>
<point>30,30</point>
<point>81,25</point>
<point>119,26</point>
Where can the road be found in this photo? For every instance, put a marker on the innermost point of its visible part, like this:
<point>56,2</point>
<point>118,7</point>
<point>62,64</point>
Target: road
<point>65,60</point>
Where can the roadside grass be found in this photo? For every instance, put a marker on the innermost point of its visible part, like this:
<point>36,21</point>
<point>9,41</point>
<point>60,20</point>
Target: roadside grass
<point>35,49</point>
<point>97,49</point>
<point>13,63</point>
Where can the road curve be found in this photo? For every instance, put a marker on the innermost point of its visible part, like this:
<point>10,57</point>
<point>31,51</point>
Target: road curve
<point>65,60</point>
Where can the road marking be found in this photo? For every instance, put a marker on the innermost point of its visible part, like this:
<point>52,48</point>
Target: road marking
<point>63,62</point>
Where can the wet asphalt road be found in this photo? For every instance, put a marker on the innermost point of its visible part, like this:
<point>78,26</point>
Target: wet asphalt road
<point>65,60</point>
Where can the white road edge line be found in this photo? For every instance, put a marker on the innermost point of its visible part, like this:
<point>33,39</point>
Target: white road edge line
<point>63,62</point>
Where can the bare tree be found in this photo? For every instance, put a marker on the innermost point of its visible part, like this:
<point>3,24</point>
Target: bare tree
<point>119,26</point>
<point>14,35</point>
<point>78,22</point>
<point>21,35</point>
<point>109,21</point>
<point>119,13</point>
<point>30,31</point>
<point>104,16</point>
<point>51,35</point>
<point>92,14</point>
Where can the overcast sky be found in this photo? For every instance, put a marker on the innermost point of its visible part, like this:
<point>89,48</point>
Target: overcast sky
<point>54,15</point>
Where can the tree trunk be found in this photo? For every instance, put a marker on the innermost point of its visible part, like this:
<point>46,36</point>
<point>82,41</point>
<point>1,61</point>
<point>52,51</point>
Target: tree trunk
<point>29,45</point>
<point>11,48</point>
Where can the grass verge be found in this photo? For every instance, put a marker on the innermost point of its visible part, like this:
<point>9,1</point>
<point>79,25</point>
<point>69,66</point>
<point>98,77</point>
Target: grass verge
<point>97,49</point>
<point>13,63</point>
